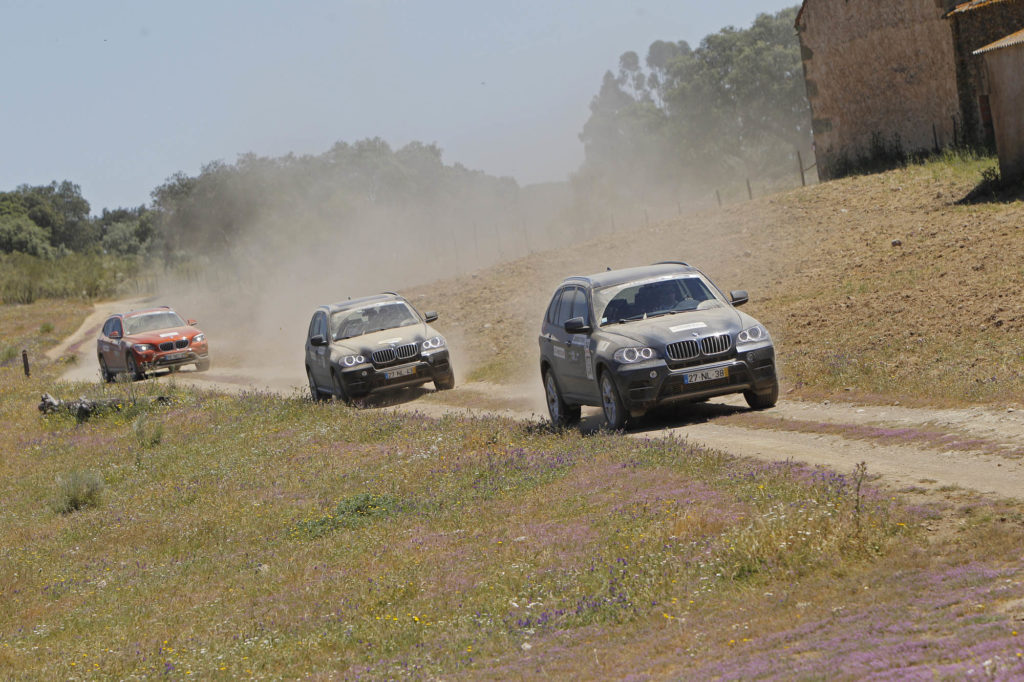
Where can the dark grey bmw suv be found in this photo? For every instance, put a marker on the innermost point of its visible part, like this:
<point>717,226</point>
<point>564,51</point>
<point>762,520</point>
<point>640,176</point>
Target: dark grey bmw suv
<point>375,343</point>
<point>627,340</point>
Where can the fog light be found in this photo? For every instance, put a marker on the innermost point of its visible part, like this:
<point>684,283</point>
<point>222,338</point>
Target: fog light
<point>654,374</point>
<point>365,372</point>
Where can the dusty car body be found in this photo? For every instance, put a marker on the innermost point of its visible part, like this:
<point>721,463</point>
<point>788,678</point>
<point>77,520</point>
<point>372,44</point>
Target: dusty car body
<point>372,344</point>
<point>628,340</point>
<point>142,341</point>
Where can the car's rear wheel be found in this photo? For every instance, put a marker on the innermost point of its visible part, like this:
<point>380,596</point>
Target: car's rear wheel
<point>339,389</point>
<point>764,399</point>
<point>314,392</point>
<point>445,383</point>
<point>561,413</point>
<point>105,372</point>
<point>611,403</point>
<point>132,368</point>
<point>203,365</point>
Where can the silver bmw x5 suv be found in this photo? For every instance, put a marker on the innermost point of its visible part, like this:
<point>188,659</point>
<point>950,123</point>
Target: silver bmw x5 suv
<point>628,340</point>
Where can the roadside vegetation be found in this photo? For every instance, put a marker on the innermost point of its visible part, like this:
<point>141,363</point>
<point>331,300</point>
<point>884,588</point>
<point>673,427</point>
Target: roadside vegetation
<point>257,535</point>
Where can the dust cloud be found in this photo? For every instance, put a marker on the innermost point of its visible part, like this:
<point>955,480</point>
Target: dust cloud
<point>255,299</point>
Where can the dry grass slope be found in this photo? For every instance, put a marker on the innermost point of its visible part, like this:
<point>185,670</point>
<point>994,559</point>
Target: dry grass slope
<point>935,319</point>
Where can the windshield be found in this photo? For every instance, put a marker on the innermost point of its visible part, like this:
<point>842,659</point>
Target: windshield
<point>372,318</point>
<point>664,296</point>
<point>138,324</point>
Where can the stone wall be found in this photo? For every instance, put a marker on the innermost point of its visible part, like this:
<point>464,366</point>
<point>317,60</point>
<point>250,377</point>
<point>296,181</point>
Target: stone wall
<point>881,79</point>
<point>974,29</point>
<point>1006,93</point>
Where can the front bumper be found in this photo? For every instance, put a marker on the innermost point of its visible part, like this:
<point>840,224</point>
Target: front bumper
<point>366,379</point>
<point>644,385</point>
<point>149,361</point>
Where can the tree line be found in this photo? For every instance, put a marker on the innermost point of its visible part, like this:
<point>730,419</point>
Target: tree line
<point>686,118</point>
<point>680,121</point>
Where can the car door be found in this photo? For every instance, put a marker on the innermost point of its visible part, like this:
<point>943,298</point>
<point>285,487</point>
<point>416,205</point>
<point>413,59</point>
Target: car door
<point>567,349</point>
<point>318,357</point>
<point>108,345</point>
<point>579,361</point>
<point>547,336</point>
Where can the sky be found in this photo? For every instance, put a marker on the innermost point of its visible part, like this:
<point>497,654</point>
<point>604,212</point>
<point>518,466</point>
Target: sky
<point>118,96</point>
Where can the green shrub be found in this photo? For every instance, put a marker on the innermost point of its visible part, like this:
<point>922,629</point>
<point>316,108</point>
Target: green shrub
<point>77,490</point>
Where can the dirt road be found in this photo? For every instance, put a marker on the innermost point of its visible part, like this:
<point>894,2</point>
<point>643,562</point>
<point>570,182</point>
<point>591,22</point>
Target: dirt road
<point>927,450</point>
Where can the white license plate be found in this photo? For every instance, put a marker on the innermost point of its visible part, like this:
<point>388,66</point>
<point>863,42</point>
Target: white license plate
<point>403,372</point>
<point>175,356</point>
<point>706,375</point>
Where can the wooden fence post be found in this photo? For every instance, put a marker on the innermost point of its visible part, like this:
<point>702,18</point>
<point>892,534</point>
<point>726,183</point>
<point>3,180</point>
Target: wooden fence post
<point>24,361</point>
<point>800,162</point>
<point>750,192</point>
<point>718,195</point>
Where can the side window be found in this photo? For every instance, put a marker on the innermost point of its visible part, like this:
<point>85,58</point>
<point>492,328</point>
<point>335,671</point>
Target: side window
<point>312,327</point>
<point>580,307</point>
<point>116,326</point>
<point>321,325</point>
<point>553,308</point>
<point>568,304</point>
<point>107,326</point>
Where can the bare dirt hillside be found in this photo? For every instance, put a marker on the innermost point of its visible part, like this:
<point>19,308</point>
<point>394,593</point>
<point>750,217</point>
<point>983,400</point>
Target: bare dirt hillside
<point>878,286</point>
<point>897,315</point>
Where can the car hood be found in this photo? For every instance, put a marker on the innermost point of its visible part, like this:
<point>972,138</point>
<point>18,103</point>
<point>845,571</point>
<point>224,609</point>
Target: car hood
<point>158,336</point>
<point>660,331</point>
<point>388,338</point>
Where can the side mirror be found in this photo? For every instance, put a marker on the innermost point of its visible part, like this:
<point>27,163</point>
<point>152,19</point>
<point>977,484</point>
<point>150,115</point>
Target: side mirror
<point>430,316</point>
<point>576,325</point>
<point>115,335</point>
<point>317,340</point>
<point>190,322</point>
<point>739,297</point>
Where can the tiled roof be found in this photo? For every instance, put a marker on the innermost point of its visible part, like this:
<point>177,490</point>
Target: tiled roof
<point>1009,41</point>
<point>973,5</point>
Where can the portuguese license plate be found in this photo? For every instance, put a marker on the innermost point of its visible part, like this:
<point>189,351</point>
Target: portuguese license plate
<point>398,373</point>
<point>175,356</point>
<point>706,375</point>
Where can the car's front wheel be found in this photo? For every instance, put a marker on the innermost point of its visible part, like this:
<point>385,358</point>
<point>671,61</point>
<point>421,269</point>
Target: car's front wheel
<point>561,413</point>
<point>203,365</point>
<point>132,368</point>
<point>764,399</point>
<point>445,383</point>
<point>105,372</point>
<point>611,403</point>
<point>339,389</point>
<point>314,392</point>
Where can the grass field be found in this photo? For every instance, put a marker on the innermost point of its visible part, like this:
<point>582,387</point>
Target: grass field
<point>265,536</point>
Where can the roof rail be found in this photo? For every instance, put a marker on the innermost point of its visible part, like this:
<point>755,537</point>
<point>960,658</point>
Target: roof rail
<point>672,262</point>
<point>390,292</point>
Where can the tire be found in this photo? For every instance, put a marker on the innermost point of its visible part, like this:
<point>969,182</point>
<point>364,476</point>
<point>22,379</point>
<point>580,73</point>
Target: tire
<point>764,399</point>
<point>445,383</point>
<point>314,392</point>
<point>614,411</point>
<point>203,365</point>
<point>105,373</point>
<point>339,389</point>
<point>132,369</point>
<point>561,413</point>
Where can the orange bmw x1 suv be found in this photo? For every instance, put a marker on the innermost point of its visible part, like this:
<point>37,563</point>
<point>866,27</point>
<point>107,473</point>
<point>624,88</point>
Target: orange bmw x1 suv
<point>142,341</point>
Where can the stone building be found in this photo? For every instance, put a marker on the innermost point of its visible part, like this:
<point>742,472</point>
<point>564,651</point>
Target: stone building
<point>1003,86</point>
<point>890,79</point>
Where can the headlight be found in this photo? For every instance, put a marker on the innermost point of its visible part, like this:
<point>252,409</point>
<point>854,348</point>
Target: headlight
<point>755,334</point>
<point>436,342</point>
<point>142,347</point>
<point>199,338</point>
<point>628,356</point>
<point>353,360</point>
